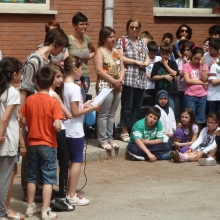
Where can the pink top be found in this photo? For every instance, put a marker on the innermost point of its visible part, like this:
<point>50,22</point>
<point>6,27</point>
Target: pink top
<point>194,72</point>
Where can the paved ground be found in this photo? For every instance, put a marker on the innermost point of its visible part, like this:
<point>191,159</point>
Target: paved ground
<point>121,189</point>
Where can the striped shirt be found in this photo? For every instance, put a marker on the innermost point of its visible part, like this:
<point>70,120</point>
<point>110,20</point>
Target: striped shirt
<point>134,75</point>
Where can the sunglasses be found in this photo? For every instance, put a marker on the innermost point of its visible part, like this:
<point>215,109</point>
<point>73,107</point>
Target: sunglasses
<point>186,31</point>
<point>136,28</point>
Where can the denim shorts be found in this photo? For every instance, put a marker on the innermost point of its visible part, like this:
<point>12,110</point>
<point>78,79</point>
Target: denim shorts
<point>42,165</point>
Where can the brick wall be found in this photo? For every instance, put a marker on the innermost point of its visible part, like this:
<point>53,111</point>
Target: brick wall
<point>20,34</point>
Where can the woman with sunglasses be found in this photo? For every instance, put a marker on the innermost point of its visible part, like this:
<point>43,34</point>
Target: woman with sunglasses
<point>184,32</point>
<point>80,45</point>
<point>135,57</point>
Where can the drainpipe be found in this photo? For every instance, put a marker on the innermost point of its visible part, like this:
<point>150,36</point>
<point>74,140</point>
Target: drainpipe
<point>108,16</point>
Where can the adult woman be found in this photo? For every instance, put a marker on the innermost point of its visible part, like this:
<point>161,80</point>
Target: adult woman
<point>184,32</point>
<point>81,46</point>
<point>110,71</point>
<point>135,57</point>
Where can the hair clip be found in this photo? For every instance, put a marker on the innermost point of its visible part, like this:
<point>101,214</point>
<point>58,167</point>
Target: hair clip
<point>62,63</point>
<point>195,46</point>
<point>73,64</point>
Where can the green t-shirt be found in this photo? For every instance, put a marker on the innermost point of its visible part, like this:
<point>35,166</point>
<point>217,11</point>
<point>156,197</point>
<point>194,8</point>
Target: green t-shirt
<point>140,131</point>
<point>83,53</point>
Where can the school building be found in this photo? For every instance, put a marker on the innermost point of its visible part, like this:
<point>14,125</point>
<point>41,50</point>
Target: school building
<point>22,21</point>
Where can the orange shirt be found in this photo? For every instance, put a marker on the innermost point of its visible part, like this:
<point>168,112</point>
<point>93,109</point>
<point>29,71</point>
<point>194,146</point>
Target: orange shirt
<point>41,111</point>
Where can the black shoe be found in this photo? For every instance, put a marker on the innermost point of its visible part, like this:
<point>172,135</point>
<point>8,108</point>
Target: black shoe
<point>37,199</point>
<point>62,205</point>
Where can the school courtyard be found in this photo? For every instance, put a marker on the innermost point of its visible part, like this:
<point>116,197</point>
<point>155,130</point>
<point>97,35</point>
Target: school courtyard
<point>121,189</point>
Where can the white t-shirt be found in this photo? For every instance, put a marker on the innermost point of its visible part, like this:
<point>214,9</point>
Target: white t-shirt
<point>51,93</point>
<point>151,84</point>
<point>180,80</point>
<point>208,59</point>
<point>213,92</point>
<point>74,126</point>
<point>10,146</point>
<point>195,130</point>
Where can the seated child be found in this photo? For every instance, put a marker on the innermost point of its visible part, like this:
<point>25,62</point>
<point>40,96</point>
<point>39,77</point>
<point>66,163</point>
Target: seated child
<point>204,148</point>
<point>167,117</point>
<point>146,140</point>
<point>187,131</point>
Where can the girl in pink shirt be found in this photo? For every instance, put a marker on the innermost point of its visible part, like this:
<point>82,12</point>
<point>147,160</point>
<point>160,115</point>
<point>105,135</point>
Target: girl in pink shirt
<point>196,79</point>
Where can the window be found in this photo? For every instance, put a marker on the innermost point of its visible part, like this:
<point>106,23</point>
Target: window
<point>189,8</point>
<point>26,6</point>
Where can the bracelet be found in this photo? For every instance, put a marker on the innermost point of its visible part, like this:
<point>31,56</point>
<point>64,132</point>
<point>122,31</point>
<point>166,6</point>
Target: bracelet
<point>22,146</point>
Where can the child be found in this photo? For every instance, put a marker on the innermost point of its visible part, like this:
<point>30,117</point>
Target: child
<point>213,94</point>
<point>146,36</point>
<point>205,45</point>
<point>167,117</point>
<point>167,38</point>
<point>187,131</point>
<point>153,48</point>
<point>61,202</point>
<point>42,115</point>
<point>211,57</point>
<point>74,126</point>
<point>203,149</point>
<point>196,76</point>
<point>214,31</point>
<point>164,73</point>
<point>146,140</point>
<point>10,73</point>
<point>186,51</point>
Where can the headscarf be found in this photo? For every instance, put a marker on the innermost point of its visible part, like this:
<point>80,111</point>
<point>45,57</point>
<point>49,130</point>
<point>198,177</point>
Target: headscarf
<point>163,94</point>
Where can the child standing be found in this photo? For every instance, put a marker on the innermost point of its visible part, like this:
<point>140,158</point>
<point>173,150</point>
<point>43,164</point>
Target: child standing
<point>187,131</point>
<point>195,77</point>
<point>146,141</point>
<point>10,73</point>
<point>164,73</point>
<point>42,115</point>
<point>74,127</point>
<point>204,148</point>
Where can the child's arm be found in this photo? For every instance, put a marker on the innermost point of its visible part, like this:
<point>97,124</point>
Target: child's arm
<point>140,144</point>
<point>199,140</point>
<point>193,81</point>
<point>169,70</point>
<point>205,70</point>
<point>213,75</point>
<point>57,125</point>
<point>63,107</point>
<point>195,136</point>
<point>156,77</point>
<point>4,122</point>
<point>152,142</point>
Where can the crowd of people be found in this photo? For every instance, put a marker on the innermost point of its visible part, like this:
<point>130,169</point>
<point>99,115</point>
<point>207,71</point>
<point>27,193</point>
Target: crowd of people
<point>42,104</point>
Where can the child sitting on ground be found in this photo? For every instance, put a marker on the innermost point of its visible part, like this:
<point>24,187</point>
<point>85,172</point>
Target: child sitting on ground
<point>42,115</point>
<point>204,148</point>
<point>146,140</point>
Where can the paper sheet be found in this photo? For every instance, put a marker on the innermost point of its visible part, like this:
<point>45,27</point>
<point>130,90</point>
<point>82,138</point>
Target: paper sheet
<point>99,99</point>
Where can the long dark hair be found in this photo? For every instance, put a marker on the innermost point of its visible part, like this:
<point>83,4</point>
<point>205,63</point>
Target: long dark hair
<point>189,29</point>
<point>8,66</point>
<point>104,33</point>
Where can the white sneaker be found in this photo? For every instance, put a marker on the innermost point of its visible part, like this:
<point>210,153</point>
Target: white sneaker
<point>77,199</point>
<point>210,161</point>
<point>136,157</point>
<point>46,214</point>
<point>32,210</point>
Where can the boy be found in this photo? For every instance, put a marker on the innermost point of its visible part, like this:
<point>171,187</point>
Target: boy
<point>213,93</point>
<point>164,73</point>
<point>214,31</point>
<point>42,115</point>
<point>167,38</point>
<point>146,36</point>
<point>152,48</point>
<point>146,140</point>
<point>211,57</point>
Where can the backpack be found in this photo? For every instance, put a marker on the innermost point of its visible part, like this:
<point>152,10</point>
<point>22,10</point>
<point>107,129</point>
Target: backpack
<point>28,83</point>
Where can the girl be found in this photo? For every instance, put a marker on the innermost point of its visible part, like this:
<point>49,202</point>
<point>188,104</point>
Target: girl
<point>196,77</point>
<point>10,73</point>
<point>62,150</point>
<point>167,116</point>
<point>187,131</point>
<point>74,127</point>
<point>204,148</point>
<point>110,69</point>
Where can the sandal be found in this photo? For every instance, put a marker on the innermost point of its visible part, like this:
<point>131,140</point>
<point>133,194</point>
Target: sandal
<point>114,145</point>
<point>125,137</point>
<point>106,146</point>
<point>17,216</point>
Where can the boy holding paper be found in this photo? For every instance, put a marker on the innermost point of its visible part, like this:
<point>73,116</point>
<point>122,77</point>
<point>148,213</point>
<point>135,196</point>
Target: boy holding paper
<point>110,70</point>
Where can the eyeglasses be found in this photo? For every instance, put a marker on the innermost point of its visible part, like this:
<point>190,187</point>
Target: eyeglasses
<point>205,45</point>
<point>186,31</point>
<point>210,123</point>
<point>84,24</point>
<point>136,28</point>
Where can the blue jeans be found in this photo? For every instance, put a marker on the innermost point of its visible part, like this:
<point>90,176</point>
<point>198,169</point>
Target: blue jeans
<point>42,165</point>
<point>172,100</point>
<point>213,106</point>
<point>197,104</point>
<point>158,150</point>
